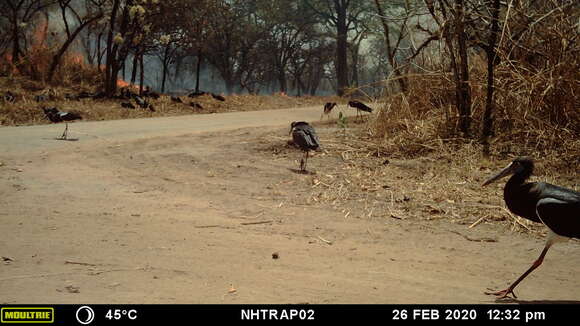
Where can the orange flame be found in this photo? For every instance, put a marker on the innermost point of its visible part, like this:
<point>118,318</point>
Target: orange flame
<point>77,59</point>
<point>121,83</point>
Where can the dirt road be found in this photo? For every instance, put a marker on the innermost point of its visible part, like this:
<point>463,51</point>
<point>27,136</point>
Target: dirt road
<point>192,209</point>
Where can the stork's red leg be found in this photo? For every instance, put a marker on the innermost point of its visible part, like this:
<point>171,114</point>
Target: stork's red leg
<point>505,293</point>
<point>64,134</point>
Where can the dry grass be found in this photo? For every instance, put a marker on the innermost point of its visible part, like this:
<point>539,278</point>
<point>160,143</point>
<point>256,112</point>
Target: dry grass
<point>409,161</point>
<point>537,95</point>
<point>437,169</point>
<point>27,112</point>
<point>354,175</point>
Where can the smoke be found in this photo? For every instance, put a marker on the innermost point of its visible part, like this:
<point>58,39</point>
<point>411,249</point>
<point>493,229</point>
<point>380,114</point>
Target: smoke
<point>49,31</point>
<point>177,82</point>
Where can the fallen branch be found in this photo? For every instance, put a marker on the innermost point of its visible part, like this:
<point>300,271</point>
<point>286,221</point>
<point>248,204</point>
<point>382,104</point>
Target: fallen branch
<point>65,273</point>
<point>474,239</point>
<point>79,263</point>
<point>476,223</point>
<point>324,240</point>
<point>260,222</point>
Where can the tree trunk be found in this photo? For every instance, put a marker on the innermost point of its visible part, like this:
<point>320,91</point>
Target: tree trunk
<point>134,70</point>
<point>282,81</point>
<point>491,60</point>
<point>355,67</point>
<point>118,52</point>
<point>314,82</point>
<point>465,105</point>
<point>16,46</point>
<point>165,64</point>
<point>163,79</point>
<point>229,85</point>
<point>390,51</point>
<point>124,70</point>
<point>141,74</point>
<point>455,71</point>
<point>109,88</point>
<point>99,54</point>
<point>341,47</point>
<point>197,70</point>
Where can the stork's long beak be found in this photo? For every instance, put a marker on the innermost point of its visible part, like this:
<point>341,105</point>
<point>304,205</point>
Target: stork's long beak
<point>510,169</point>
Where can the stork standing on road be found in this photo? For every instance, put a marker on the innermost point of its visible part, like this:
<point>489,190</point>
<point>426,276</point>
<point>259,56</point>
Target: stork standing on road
<point>556,207</point>
<point>327,109</point>
<point>305,137</point>
<point>359,106</point>
<point>55,116</point>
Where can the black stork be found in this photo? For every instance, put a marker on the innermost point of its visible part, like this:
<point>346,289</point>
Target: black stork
<point>55,116</point>
<point>127,105</point>
<point>305,137</point>
<point>556,207</point>
<point>218,97</point>
<point>327,109</point>
<point>147,92</point>
<point>143,103</point>
<point>176,99</point>
<point>359,106</point>
<point>9,97</point>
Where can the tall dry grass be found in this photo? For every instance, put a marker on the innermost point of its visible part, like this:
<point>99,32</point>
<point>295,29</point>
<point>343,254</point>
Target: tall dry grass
<point>35,64</point>
<point>537,97</point>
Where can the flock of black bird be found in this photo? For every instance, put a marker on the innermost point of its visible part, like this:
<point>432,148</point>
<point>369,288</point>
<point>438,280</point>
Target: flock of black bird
<point>555,207</point>
<point>126,94</point>
<point>359,106</point>
<point>304,135</point>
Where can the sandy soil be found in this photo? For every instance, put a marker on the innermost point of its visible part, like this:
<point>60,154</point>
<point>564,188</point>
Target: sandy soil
<point>192,209</point>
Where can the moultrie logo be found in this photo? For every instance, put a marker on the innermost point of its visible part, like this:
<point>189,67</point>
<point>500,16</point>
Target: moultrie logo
<point>14,315</point>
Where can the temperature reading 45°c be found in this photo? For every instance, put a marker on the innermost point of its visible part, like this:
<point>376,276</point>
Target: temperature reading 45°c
<point>118,314</point>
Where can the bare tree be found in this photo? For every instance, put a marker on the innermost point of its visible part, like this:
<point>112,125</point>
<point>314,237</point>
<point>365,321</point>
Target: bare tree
<point>21,14</point>
<point>81,22</point>
<point>393,49</point>
<point>231,38</point>
<point>464,90</point>
<point>341,15</point>
<point>491,53</point>
<point>130,30</point>
<point>451,23</point>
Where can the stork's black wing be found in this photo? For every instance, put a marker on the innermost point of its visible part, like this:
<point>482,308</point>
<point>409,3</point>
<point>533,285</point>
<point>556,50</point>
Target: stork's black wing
<point>559,209</point>
<point>547,190</point>
<point>305,136</point>
<point>360,106</point>
<point>313,141</point>
<point>69,116</point>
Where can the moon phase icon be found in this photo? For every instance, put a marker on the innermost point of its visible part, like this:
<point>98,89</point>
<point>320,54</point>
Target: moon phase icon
<point>85,315</point>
